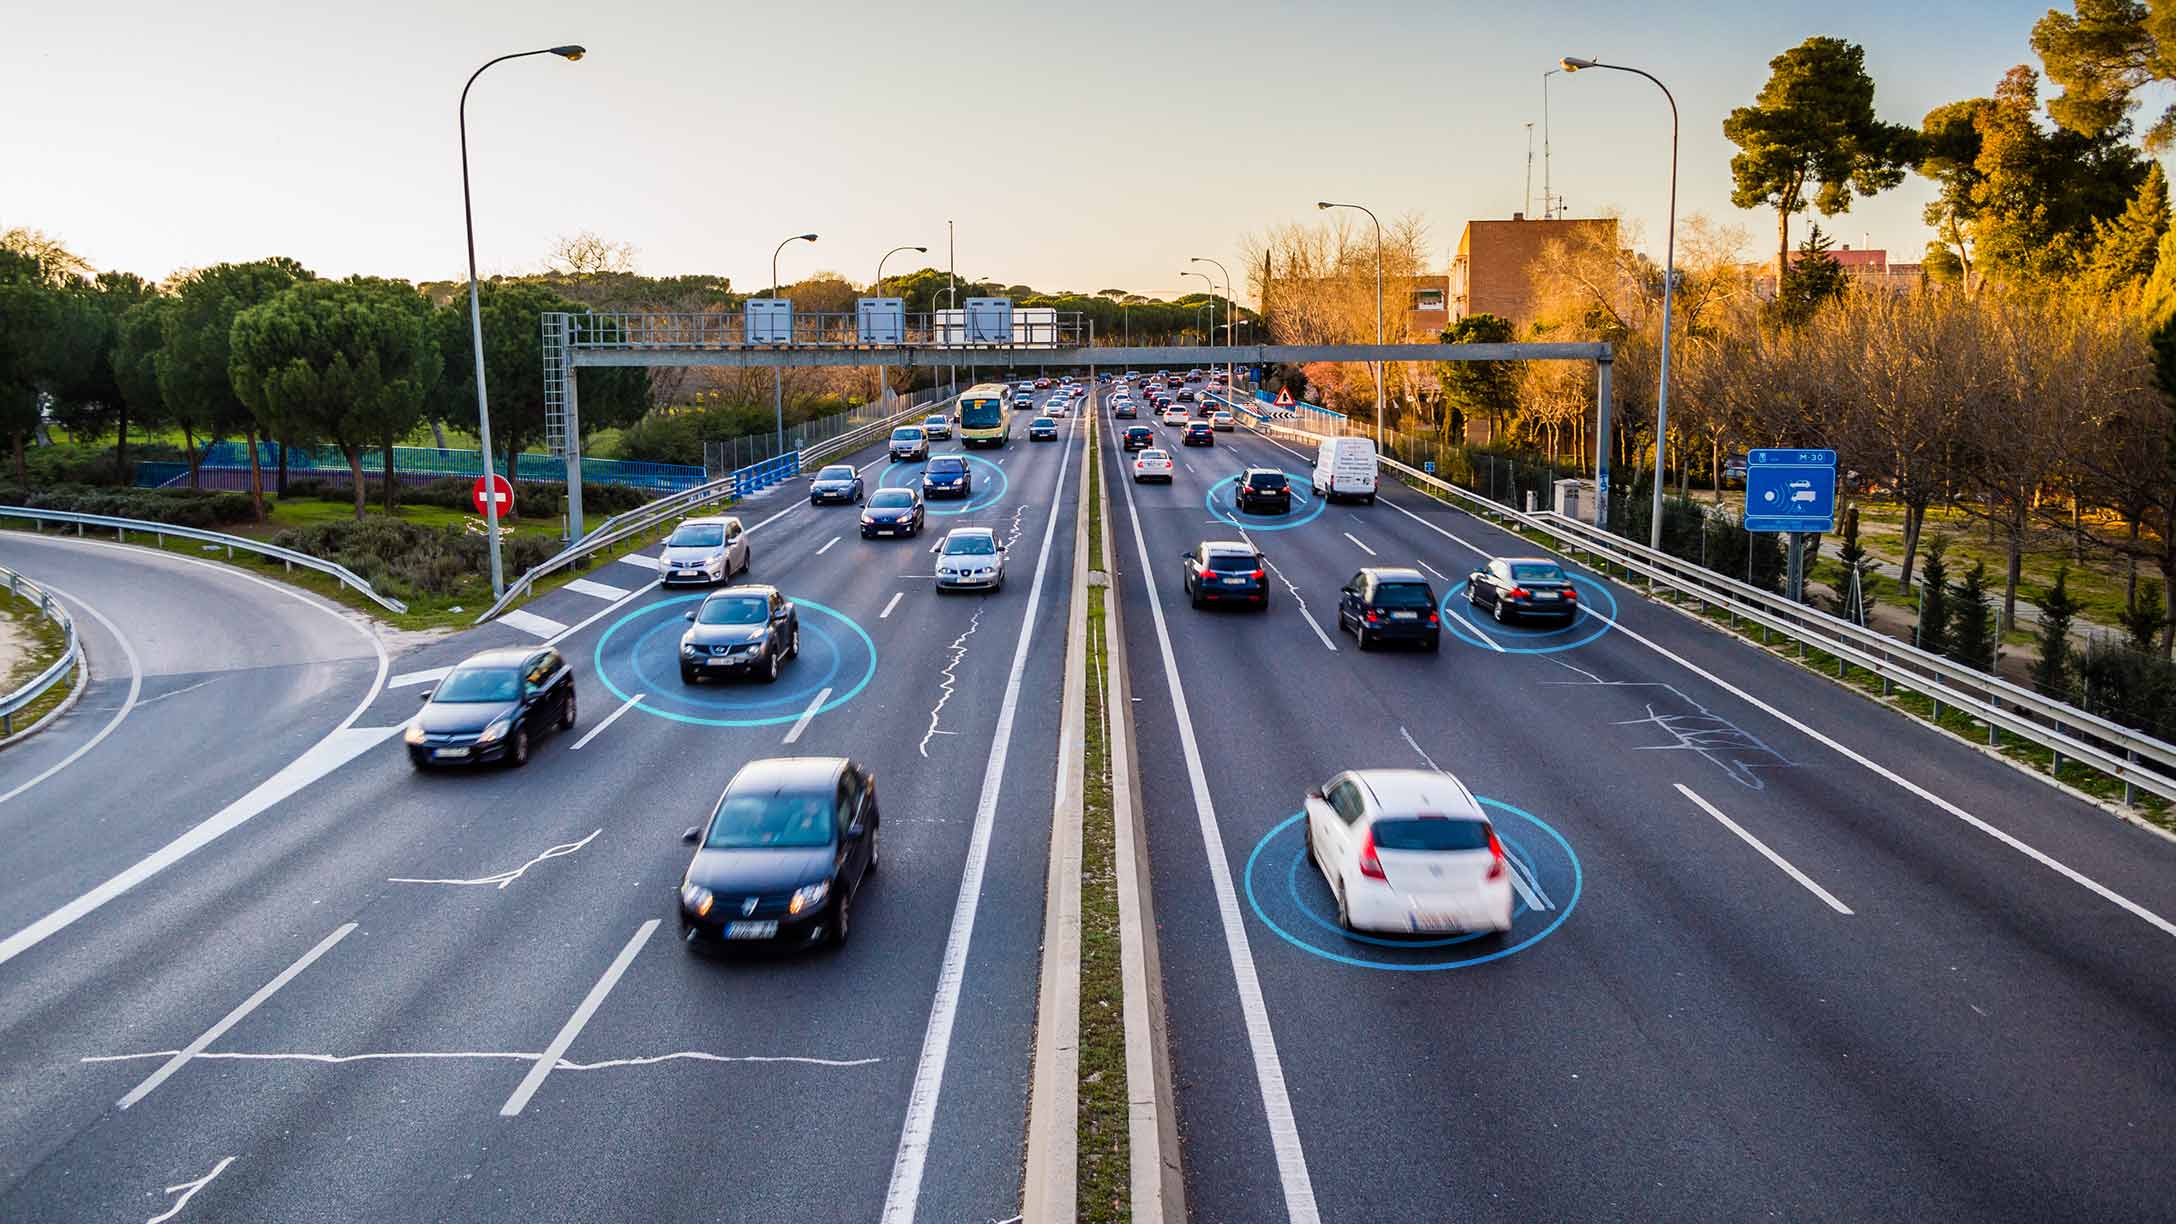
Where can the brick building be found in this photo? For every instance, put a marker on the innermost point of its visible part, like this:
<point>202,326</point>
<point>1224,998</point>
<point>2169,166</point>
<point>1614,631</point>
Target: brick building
<point>1497,263</point>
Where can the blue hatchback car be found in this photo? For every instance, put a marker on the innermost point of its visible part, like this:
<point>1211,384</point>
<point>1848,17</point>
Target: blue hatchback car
<point>836,483</point>
<point>947,476</point>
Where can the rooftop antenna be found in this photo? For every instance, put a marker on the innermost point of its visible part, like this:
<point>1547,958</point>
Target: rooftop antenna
<point>1548,198</point>
<point>1529,171</point>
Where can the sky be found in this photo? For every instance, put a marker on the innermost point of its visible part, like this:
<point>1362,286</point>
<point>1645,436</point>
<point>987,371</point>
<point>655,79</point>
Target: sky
<point>1082,146</point>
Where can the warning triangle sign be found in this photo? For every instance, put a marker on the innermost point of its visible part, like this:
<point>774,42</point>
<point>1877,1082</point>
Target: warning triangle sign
<point>1284,397</point>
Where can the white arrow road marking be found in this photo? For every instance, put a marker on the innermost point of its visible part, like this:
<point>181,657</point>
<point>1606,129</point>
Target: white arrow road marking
<point>429,675</point>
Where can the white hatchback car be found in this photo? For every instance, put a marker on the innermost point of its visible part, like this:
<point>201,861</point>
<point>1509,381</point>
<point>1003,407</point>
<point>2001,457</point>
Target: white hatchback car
<point>1408,851</point>
<point>707,550</point>
<point>970,559</point>
<point>1152,465</point>
<point>1174,416</point>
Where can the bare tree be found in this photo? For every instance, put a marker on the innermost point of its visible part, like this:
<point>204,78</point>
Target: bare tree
<point>589,254</point>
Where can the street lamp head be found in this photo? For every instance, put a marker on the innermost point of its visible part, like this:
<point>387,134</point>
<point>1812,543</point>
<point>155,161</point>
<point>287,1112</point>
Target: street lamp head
<point>804,237</point>
<point>570,52</point>
<point>923,250</point>
<point>1573,63</point>
<point>1324,204</point>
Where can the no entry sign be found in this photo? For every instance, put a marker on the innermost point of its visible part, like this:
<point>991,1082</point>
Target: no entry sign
<point>501,491</point>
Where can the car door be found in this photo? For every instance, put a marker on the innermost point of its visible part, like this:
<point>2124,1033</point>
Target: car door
<point>1332,817</point>
<point>1348,603</point>
<point>536,692</point>
<point>736,548</point>
<point>559,683</point>
<point>853,862</point>
<point>781,623</point>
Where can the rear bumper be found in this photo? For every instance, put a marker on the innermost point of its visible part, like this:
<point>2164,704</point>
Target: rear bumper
<point>1380,908</point>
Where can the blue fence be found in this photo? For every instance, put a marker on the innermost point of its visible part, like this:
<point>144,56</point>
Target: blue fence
<point>757,477</point>
<point>226,466</point>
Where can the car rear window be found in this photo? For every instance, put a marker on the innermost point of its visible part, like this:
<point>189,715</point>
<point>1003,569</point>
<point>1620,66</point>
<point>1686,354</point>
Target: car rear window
<point>1404,595</point>
<point>1265,480</point>
<point>1431,833</point>
<point>1235,563</point>
<point>1537,573</point>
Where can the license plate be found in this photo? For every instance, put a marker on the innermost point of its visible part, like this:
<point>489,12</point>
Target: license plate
<point>1235,582</point>
<point>449,754</point>
<point>1405,616</point>
<point>1433,920</point>
<point>1545,595</point>
<point>884,530</point>
<point>751,930</point>
<point>720,661</point>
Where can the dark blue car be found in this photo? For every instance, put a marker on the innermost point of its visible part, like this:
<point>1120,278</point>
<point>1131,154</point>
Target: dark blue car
<point>947,476</point>
<point>836,483</point>
<point>1226,572</point>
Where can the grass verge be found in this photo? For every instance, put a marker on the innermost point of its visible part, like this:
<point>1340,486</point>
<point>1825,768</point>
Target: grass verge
<point>44,641</point>
<point>1105,1178</point>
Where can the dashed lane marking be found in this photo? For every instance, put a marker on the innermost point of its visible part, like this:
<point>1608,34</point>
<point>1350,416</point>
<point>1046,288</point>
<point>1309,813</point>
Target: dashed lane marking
<point>1357,544</point>
<point>429,675</point>
<point>815,703</point>
<point>891,603</point>
<point>609,719</point>
<point>1765,852</point>
<point>530,623</point>
<point>549,1059</point>
<point>827,547</point>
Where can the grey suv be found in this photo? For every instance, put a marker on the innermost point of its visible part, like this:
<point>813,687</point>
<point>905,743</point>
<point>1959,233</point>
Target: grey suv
<point>707,550</point>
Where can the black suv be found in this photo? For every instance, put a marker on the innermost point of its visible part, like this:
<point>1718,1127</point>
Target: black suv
<point>1139,437</point>
<point>1263,490</point>
<point>1390,605</point>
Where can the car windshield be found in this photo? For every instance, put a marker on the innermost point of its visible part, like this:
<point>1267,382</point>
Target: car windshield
<point>734,610</point>
<point>1431,833</point>
<point>937,419</point>
<point>1537,573</point>
<point>1043,423</point>
<point>907,433</point>
<point>947,465</point>
<point>891,499</point>
<point>1265,480</point>
<point>970,545</point>
<point>837,471</point>
<point>1404,595</point>
<point>697,535</point>
<point>479,684</point>
<point>1231,562</point>
<point>748,822</point>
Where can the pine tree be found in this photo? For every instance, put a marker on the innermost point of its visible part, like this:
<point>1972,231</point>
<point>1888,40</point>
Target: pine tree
<point>2052,674</point>
<point>1934,598</point>
<point>2124,246</point>
<point>2143,620</point>
<point>1853,558</point>
<point>1971,637</point>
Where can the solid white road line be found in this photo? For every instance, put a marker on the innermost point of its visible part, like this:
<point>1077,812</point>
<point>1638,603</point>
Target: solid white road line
<point>644,560</point>
<point>827,547</point>
<point>128,703</point>
<point>530,623</point>
<point>1284,1135</point>
<point>1432,569</point>
<point>232,1018</point>
<point>905,1191</point>
<point>889,604</point>
<point>815,703</point>
<point>573,1027</point>
<point>609,719</point>
<point>1765,852</point>
<point>1479,632</point>
<point>1357,544</point>
<point>599,590</point>
<point>429,675</point>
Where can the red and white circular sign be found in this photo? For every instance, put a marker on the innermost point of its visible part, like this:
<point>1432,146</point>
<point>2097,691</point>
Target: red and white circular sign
<point>501,491</point>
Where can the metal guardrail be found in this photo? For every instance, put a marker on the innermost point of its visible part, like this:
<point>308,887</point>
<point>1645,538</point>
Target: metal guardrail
<point>756,477</point>
<point>71,655</point>
<point>737,484</point>
<point>2137,760</point>
<point>122,526</point>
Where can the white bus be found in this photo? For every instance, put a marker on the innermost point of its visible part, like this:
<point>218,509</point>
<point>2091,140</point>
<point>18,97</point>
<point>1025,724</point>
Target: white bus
<point>986,415</point>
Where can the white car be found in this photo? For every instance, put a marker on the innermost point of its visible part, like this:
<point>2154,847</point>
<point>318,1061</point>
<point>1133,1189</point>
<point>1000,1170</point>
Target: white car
<point>970,559</point>
<point>1056,407</point>
<point>1152,464</point>
<point>1222,422</point>
<point>1408,851</point>
<point>707,550</point>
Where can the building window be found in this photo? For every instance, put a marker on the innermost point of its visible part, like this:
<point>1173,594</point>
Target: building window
<point>1427,299</point>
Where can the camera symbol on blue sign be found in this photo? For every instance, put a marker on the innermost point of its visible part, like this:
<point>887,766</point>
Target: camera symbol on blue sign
<point>1790,490</point>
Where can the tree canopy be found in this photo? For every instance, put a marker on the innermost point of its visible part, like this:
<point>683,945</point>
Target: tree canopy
<point>2102,55</point>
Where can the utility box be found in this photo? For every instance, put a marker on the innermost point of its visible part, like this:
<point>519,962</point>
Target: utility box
<point>1035,327</point>
<point>768,321</point>
<point>880,320</point>
<point>1575,499</point>
<point>989,320</point>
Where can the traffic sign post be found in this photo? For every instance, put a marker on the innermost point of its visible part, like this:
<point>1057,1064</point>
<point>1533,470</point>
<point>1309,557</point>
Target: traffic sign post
<point>1791,491</point>
<point>501,493</point>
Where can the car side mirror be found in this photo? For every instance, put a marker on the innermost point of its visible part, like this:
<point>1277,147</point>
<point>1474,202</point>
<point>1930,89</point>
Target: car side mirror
<point>856,829</point>
<point>692,836</point>
<point>1315,792</point>
<point>687,616</point>
<point>424,697</point>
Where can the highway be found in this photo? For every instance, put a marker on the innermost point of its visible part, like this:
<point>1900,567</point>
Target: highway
<point>1914,998</point>
<point>391,995</point>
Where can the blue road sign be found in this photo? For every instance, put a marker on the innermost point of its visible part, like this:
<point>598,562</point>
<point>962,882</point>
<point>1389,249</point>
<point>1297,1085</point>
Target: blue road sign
<point>1790,490</point>
<point>1429,467</point>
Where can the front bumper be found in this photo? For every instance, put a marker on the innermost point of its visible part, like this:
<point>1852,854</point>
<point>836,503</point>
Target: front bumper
<point>968,584</point>
<point>723,665</point>
<point>478,754</point>
<point>831,495</point>
<point>717,930</point>
<point>669,576</point>
<point>900,528</point>
<point>958,490</point>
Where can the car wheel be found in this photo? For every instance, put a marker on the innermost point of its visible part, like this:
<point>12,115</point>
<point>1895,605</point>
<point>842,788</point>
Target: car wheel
<point>771,677</point>
<point>871,868</point>
<point>865,533</point>
<point>566,714</point>
<point>814,500</point>
<point>1435,642</point>
<point>1497,610</point>
<point>1344,912</point>
<point>1360,635</point>
<point>793,648</point>
<point>518,755</point>
<point>688,677</point>
<point>1371,499</point>
<point>841,921</point>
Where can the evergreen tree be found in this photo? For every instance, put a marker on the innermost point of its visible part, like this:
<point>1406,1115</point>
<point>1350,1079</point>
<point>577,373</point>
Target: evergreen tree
<point>1815,278</point>
<point>1853,558</point>
<point>1934,598</point>
<point>2051,675</point>
<point>1971,634</point>
<point>2143,620</point>
<point>2124,246</point>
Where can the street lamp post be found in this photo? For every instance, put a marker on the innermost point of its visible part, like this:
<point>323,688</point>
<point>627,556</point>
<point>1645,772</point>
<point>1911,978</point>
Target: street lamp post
<point>1378,366</point>
<point>778,373</point>
<point>876,287</point>
<point>570,53</point>
<point>1212,301</point>
<point>1230,313</point>
<point>1669,285</point>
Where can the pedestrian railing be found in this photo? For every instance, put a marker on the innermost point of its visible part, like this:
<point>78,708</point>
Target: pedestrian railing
<point>71,655</point>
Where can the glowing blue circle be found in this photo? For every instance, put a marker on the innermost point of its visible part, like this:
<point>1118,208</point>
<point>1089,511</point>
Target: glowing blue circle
<point>979,501</point>
<point>605,677</point>
<point>1465,630</point>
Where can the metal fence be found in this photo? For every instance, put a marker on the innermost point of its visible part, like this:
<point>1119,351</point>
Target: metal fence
<point>724,455</point>
<point>1032,327</point>
<point>226,466</point>
<point>71,656</point>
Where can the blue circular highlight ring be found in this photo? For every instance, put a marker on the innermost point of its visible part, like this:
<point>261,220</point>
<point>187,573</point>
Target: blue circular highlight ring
<point>978,501</point>
<point>1262,522</point>
<point>1571,903</point>
<point>605,678</point>
<point>1464,629</point>
<point>714,695</point>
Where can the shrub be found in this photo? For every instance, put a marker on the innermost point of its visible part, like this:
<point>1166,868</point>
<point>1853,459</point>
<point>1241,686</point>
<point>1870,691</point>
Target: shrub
<point>76,463</point>
<point>2132,687</point>
<point>1971,613</point>
<point>2051,674</point>
<point>181,507</point>
<point>405,558</point>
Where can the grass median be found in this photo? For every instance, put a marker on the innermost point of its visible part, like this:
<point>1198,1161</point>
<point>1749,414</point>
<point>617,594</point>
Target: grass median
<point>1105,1178</point>
<point>37,643</point>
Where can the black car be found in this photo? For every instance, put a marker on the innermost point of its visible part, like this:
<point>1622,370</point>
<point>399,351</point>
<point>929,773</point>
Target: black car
<point>892,512</point>
<point>1263,491</point>
<point>740,631</point>
<point>783,855</point>
<point>1124,410</point>
<point>1186,397</point>
<point>1226,571</point>
<point>836,483</point>
<point>947,475</point>
<point>1139,437</point>
<point>1523,586</point>
<point>491,706</point>
<point>1198,433</point>
<point>1390,605</point>
<point>1042,429</point>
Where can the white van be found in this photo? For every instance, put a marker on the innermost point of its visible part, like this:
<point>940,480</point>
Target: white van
<point>1344,467</point>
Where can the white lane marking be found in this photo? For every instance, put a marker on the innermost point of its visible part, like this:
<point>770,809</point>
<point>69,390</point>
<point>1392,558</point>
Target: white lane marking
<point>1284,1135</point>
<point>428,675</point>
<point>188,1191</point>
<point>1765,852</point>
<point>187,688</point>
<point>644,560</point>
<point>549,1059</point>
<point>528,1056</point>
<point>609,719</point>
<point>1414,744</point>
<point>905,1191</point>
<point>182,1056</point>
<point>135,690</point>
<point>950,681</point>
<point>1299,601</point>
<point>1356,543</point>
<point>2075,876</point>
<point>530,623</point>
<point>1432,569</point>
<point>827,547</point>
<point>1478,632</point>
<point>599,590</point>
<point>815,703</point>
<point>341,746</point>
<point>501,879</point>
<point>891,603</point>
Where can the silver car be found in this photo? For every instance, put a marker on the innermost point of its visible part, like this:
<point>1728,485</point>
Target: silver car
<point>706,550</point>
<point>970,559</point>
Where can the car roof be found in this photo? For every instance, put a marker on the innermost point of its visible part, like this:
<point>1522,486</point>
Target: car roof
<point>1407,792</point>
<point>1395,573</point>
<point>1530,561</point>
<point>1227,546</point>
<point>742,588</point>
<point>705,520</point>
<point>1263,471</point>
<point>498,656</point>
<point>971,531</point>
<point>788,774</point>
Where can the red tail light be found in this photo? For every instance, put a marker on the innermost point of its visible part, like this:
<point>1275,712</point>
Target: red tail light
<point>1432,619</point>
<point>1258,575</point>
<point>1370,866</point>
<point>1518,592</point>
<point>1569,593</point>
<point>1495,868</point>
<point>1371,618</point>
